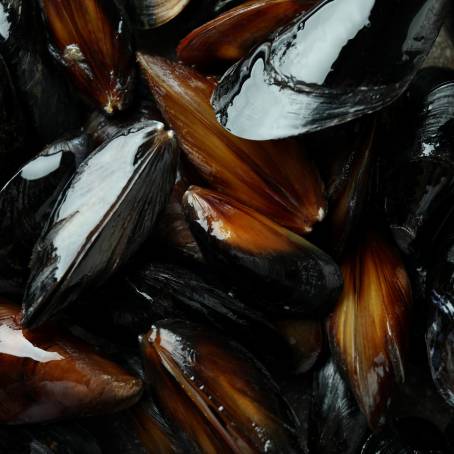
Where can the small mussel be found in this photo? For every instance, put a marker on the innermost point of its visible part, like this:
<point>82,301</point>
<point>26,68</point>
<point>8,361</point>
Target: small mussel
<point>91,39</point>
<point>368,328</point>
<point>230,36</point>
<point>275,178</point>
<point>336,425</point>
<point>50,107</point>
<point>26,202</point>
<point>293,274</point>
<point>340,61</point>
<point>154,13</point>
<point>50,375</point>
<point>420,185</point>
<point>101,219</point>
<point>214,392</point>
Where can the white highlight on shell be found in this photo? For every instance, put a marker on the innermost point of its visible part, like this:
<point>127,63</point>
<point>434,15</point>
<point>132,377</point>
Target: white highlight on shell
<point>93,192</point>
<point>13,342</point>
<point>4,23</point>
<point>41,166</point>
<point>321,40</point>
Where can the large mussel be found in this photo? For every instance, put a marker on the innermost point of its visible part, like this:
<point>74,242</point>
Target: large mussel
<point>92,41</point>
<point>105,213</point>
<point>338,62</point>
<point>26,202</point>
<point>215,392</point>
<point>274,178</point>
<point>293,275</point>
<point>154,13</point>
<point>50,375</point>
<point>368,328</point>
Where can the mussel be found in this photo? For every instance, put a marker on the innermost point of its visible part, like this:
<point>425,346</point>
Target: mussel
<point>215,392</point>
<point>154,13</point>
<point>293,275</point>
<point>49,105</point>
<point>274,178</point>
<point>173,291</point>
<point>336,425</point>
<point>50,375</point>
<point>12,143</point>
<point>26,202</point>
<point>440,328</point>
<point>420,182</point>
<point>231,35</point>
<point>91,39</point>
<point>342,60</point>
<point>101,219</point>
<point>368,328</point>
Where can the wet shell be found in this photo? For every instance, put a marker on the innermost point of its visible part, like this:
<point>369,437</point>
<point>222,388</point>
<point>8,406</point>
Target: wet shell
<point>342,60</point>
<point>275,178</point>
<point>88,237</point>
<point>368,329</point>
<point>48,375</point>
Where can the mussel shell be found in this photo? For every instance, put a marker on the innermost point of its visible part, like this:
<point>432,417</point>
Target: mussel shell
<point>291,274</point>
<point>149,14</point>
<point>172,291</point>
<point>26,203</point>
<point>338,62</point>
<point>336,425</point>
<point>49,375</point>
<point>420,185</point>
<point>230,36</point>
<point>12,143</point>
<point>368,329</point>
<point>215,392</point>
<point>49,105</point>
<point>92,41</point>
<point>275,178</point>
<point>91,234</point>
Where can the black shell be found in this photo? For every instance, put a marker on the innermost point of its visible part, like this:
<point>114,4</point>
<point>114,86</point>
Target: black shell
<point>26,203</point>
<point>338,62</point>
<point>106,212</point>
<point>420,182</point>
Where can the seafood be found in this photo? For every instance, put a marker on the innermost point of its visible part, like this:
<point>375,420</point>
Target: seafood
<point>336,424</point>
<point>295,276</point>
<point>88,237</point>
<point>154,13</point>
<point>48,375</point>
<point>48,103</point>
<point>175,292</point>
<point>369,326</point>
<point>230,36</point>
<point>26,202</point>
<point>192,372</point>
<point>420,186</point>
<point>340,61</point>
<point>274,178</point>
<point>91,39</point>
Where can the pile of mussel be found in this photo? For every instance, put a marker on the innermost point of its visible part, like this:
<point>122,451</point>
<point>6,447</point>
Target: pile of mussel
<point>226,227</point>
